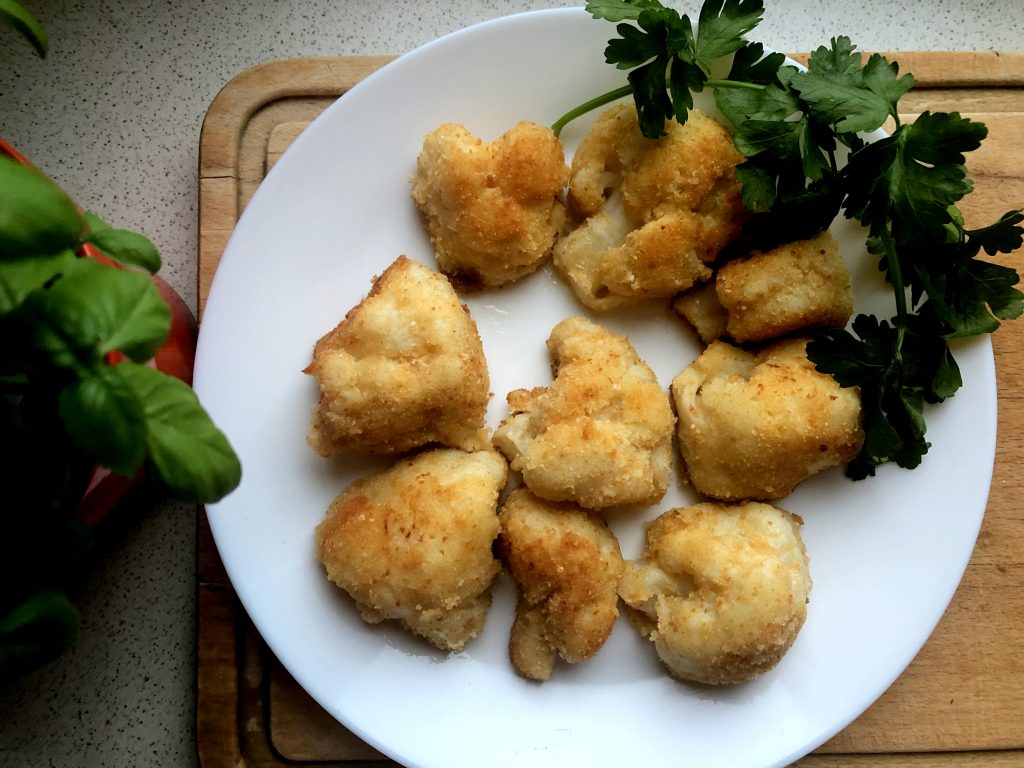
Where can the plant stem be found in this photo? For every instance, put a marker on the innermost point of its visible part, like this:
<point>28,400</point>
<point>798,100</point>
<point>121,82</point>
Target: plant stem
<point>582,109</point>
<point>733,84</point>
<point>892,263</point>
<point>626,90</point>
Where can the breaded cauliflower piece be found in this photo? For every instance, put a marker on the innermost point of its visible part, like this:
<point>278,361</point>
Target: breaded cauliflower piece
<point>753,426</point>
<point>701,308</point>
<point>654,211</point>
<point>567,564</point>
<point>492,210</point>
<point>796,286</point>
<point>414,543</point>
<point>404,368</point>
<point>721,590</point>
<point>601,434</point>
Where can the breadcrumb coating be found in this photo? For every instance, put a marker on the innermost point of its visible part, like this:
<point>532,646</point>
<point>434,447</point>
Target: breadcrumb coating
<point>567,564</point>
<point>414,543</point>
<point>755,425</point>
<point>721,590</point>
<point>492,210</point>
<point>797,286</point>
<point>654,212</point>
<point>405,368</point>
<point>601,434</point>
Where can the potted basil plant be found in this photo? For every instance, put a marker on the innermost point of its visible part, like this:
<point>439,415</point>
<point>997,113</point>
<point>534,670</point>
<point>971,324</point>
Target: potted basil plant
<point>95,395</point>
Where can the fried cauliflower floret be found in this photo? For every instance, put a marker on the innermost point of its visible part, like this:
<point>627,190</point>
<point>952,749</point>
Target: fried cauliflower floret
<point>796,286</point>
<point>414,543</point>
<point>567,564</point>
<point>404,368</point>
<point>721,590</point>
<point>753,426</point>
<point>492,210</point>
<point>701,308</point>
<point>654,212</point>
<point>601,434</point>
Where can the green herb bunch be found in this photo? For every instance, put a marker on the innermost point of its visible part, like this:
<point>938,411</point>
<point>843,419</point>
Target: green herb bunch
<point>76,393</point>
<point>802,133</point>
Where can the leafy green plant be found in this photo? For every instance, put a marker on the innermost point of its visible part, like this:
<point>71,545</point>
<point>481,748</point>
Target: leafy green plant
<point>794,127</point>
<point>15,14</point>
<point>76,393</point>
<point>80,321</point>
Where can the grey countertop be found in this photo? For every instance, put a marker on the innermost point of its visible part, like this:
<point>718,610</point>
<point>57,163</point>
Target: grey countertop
<point>114,114</point>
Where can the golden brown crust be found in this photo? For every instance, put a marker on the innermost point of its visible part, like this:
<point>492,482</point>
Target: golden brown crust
<point>654,211</point>
<point>601,434</point>
<point>567,564</point>
<point>405,368</point>
<point>492,210</point>
<point>753,426</point>
<point>799,285</point>
<point>721,590</point>
<point>414,543</point>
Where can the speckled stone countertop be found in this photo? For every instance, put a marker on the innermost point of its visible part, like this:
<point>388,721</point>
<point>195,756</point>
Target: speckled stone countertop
<point>114,115</point>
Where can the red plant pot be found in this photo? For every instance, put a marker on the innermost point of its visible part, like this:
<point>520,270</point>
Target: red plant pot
<point>175,358</point>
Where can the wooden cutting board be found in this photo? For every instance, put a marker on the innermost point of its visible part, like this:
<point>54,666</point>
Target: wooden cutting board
<point>960,703</point>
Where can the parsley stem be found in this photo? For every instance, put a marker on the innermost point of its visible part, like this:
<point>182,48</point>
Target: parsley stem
<point>733,84</point>
<point>582,109</point>
<point>892,263</point>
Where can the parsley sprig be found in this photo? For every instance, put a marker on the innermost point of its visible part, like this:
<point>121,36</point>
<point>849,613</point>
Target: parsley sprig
<point>668,62</point>
<point>802,134</point>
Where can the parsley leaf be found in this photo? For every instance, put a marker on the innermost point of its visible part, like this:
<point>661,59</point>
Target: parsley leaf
<point>751,65</point>
<point>966,296</point>
<point>617,10</point>
<point>721,27</point>
<point>913,176</point>
<point>789,179</point>
<point>1002,236</point>
<point>840,93</point>
<point>898,370</point>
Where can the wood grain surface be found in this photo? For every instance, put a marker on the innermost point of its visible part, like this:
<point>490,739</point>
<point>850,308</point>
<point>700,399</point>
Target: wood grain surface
<point>961,701</point>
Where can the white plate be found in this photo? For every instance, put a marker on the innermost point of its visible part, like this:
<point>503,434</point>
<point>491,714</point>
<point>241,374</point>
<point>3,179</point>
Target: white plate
<point>886,553</point>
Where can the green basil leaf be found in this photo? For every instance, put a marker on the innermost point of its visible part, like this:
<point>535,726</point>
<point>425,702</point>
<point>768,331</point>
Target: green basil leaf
<point>17,16</point>
<point>94,224</point>
<point>126,247</point>
<point>92,310</point>
<point>35,631</point>
<point>103,415</point>
<point>187,452</point>
<point>36,217</point>
<point>20,278</point>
